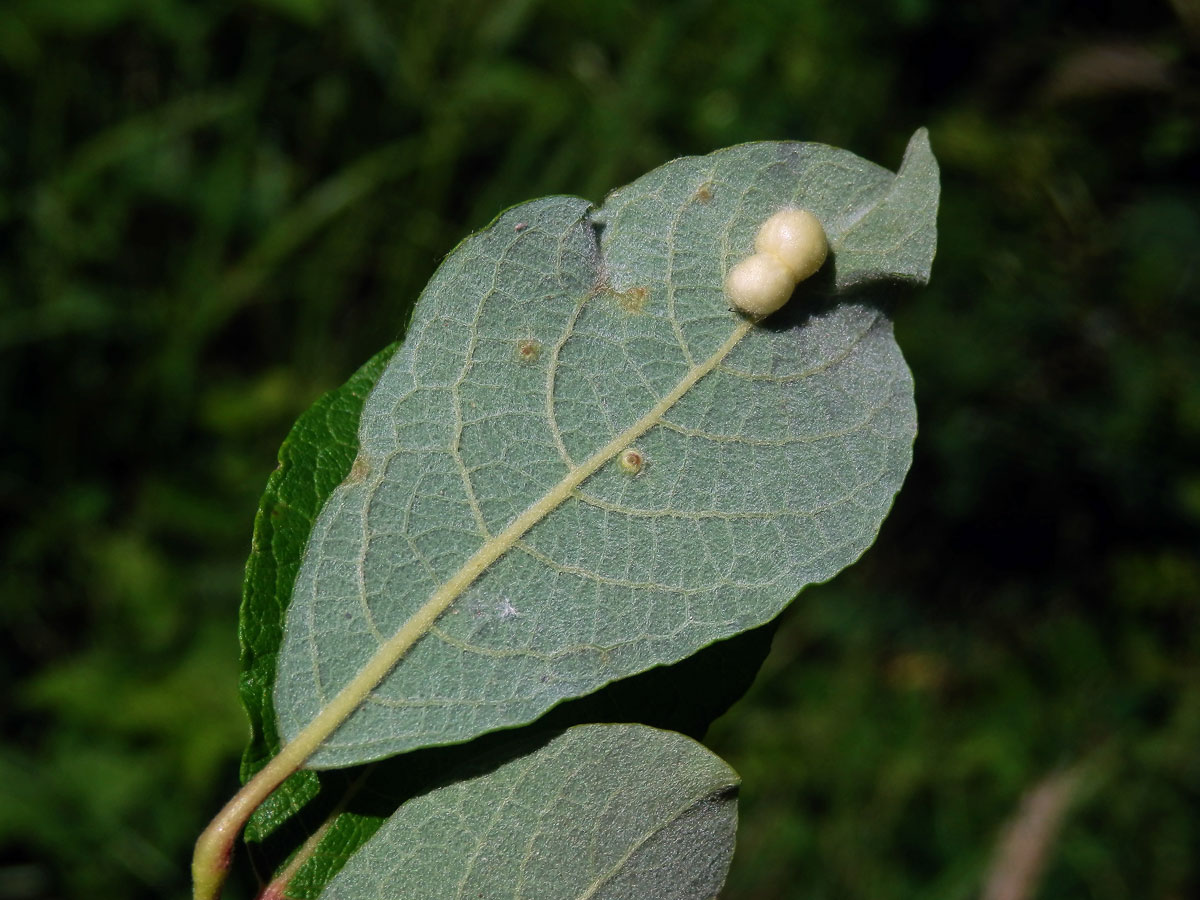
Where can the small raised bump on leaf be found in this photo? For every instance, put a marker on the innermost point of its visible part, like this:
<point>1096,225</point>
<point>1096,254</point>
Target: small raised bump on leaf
<point>631,460</point>
<point>528,350</point>
<point>704,193</point>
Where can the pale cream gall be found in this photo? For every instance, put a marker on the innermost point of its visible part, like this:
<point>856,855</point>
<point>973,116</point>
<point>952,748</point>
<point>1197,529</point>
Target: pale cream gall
<point>794,237</point>
<point>759,285</point>
<point>791,246</point>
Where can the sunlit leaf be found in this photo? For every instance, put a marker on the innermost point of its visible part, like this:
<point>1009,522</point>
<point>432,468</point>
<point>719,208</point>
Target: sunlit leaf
<point>488,492</point>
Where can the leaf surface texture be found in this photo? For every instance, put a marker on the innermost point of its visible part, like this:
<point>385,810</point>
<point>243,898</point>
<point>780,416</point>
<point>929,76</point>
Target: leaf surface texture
<point>601,812</point>
<point>541,349</point>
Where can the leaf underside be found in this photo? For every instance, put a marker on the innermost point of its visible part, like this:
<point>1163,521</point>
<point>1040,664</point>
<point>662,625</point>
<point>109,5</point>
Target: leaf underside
<point>641,280</point>
<point>685,697</point>
<point>587,815</point>
<point>535,346</point>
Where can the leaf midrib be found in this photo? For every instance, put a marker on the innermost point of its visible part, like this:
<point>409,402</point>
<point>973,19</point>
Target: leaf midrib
<point>343,704</point>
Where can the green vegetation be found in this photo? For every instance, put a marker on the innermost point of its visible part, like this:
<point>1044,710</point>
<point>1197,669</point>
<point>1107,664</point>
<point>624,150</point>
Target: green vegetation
<point>482,476</point>
<point>213,214</point>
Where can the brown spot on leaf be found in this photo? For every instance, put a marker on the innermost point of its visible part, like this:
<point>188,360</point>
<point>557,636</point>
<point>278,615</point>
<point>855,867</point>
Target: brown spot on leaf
<point>360,470</point>
<point>632,460</point>
<point>632,300</point>
<point>528,350</point>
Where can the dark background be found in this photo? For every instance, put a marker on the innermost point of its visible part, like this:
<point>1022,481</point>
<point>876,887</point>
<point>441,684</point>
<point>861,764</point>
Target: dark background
<point>211,213</point>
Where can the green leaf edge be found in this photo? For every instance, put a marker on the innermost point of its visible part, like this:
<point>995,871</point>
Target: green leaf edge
<point>316,454</point>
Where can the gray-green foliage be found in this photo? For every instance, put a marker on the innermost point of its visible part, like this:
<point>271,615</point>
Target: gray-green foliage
<point>589,814</point>
<point>772,453</point>
<point>772,472</point>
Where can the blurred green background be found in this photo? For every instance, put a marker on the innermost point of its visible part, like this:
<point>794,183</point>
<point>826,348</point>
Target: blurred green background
<point>212,212</point>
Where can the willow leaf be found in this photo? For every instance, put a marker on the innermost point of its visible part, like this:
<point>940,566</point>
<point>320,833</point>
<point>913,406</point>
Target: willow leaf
<point>488,535</point>
<point>600,811</point>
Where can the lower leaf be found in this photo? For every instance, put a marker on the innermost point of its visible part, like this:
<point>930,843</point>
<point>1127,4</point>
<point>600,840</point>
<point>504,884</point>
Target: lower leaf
<point>598,811</point>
